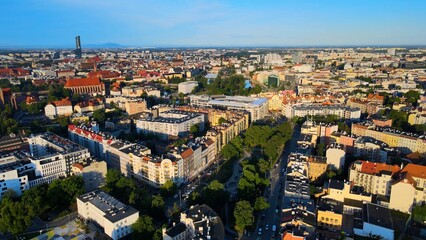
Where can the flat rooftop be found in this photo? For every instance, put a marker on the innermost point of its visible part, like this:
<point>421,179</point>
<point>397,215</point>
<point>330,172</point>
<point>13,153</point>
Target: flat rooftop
<point>112,209</point>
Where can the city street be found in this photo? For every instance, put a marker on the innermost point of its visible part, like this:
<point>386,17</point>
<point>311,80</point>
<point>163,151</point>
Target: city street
<point>275,195</point>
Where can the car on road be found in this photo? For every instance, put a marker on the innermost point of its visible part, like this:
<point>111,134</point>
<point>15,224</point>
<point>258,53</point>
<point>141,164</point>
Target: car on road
<point>266,227</point>
<point>274,228</point>
<point>259,232</point>
<point>277,210</point>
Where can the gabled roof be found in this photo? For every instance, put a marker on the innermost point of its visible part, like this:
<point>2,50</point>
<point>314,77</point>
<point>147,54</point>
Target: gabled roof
<point>375,168</point>
<point>81,82</point>
<point>61,103</point>
<point>417,171</point>
<point>187,153</point>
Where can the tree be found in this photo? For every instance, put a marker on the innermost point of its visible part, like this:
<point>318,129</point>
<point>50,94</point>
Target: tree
<point>263,165</point>
<point>243,214</point>
<point>143,228</point>
<point>62,192</point>
<point>112,177</point>
<point>222,121</point>
<point>157,205</point>
<point>14,217</point>
<point>168,188</point>
<point>215,195</point>
<point>246,189</point>
<point>412,97</point>
<point>99,115</point>
<point>194,129</point>
<point>320,149</point>
<point>229,152</point>
<point>63,121</point>
<point>261,204</point>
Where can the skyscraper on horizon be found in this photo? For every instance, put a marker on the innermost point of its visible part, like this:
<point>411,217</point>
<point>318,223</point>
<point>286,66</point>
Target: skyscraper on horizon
<point>77,47</point>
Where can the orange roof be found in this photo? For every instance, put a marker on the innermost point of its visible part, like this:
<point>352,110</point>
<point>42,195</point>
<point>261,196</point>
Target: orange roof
<point>30,99</point>
<point>79,82</point>
<point>62,102</point>
<point>104,74</point>
<point>209,142</point>
<point>374,168</point>
<point>188,152</point>
<point>417,171</point>
<point>94,59</point>
<point>375,96</point>
<point>289,236</point>
<point>78,165</point>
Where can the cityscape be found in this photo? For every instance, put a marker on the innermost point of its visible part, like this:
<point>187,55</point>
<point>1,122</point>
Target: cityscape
<point>184,134</point>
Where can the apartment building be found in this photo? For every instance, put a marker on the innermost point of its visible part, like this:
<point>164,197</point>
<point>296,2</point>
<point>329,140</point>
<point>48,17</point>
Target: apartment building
<point>330,214</point>
<point>89,106</point>
<point>170,123</point>
<point>375,178</point>
<point>14,171</point>
<point>303,110</point>
<point>50,158</point>
<point>93,173</point>
<point>408,188</point>
<point>197,155</point>
<point>371,149</point>
<point>198,222</point>
<point>180,164</point>
<point>416,118</point>
<point>257,107</point>
<point>134,106</point>
<point>401,141</point>
<point>224,133</point>
<point>113,216</point>
<point>375,220</point>
<point>343,191</point>
<point>58,108</point>
<point>297,177</point>
<point>48,148</point>
<point>336,155</point>
<point>90,137</point>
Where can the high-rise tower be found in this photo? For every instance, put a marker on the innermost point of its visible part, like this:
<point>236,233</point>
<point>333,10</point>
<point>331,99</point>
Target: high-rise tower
<point>77,47</point>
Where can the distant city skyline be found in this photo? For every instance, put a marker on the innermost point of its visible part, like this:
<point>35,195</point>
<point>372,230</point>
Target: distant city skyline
<point>132,23</point>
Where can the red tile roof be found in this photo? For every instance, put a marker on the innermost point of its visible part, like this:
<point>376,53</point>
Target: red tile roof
<point>78,165</point>
<point>62,102</point>
<point>417,171</point>
<point>187,153</point>
<point>94,59</point>
<point>375,168</point>
<point>104,74</point>
<point>81,82</point>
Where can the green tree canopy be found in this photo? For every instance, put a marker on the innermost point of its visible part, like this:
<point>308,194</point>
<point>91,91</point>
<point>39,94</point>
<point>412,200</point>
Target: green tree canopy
<point>215,195</point>
<point>168,188</point>
<point>194,129</point>
<point>143,228</point>
<point>261,204</point>
<point>243,214</point>
<point>99,115</point>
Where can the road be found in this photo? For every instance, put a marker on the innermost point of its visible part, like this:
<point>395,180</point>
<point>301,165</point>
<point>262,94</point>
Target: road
<point>275,196</point>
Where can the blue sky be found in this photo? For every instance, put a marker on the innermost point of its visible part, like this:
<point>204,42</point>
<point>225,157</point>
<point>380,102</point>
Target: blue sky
<point>148,23</point>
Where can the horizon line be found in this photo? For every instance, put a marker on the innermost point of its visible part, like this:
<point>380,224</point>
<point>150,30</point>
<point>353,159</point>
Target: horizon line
<point>165,46</point>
